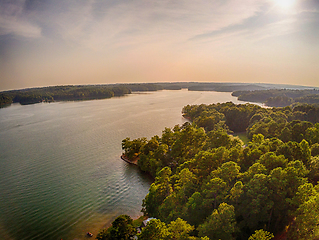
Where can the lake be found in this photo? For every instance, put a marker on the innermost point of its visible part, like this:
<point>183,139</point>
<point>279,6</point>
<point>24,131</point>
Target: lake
<point>62,175</point>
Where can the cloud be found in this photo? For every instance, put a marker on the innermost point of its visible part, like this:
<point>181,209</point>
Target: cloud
<point>13,21</point>
<point>100,24</point>
<point>267,21</point>
<point>158,23</point>
<point>103,25</point>
<point>119,39</point>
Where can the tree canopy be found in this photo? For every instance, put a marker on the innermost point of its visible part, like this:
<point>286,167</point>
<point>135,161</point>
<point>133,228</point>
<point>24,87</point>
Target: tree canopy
<point>227,190</point>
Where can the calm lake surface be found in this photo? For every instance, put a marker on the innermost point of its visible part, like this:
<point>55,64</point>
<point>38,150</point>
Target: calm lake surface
<point>61,172</point>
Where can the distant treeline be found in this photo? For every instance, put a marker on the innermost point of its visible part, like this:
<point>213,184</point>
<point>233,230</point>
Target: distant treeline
<point>279,97</point>
<point>71,93</point>
<point>247,92</point>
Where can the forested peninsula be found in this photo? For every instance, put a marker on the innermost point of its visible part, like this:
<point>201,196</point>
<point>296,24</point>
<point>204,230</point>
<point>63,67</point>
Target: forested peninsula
<point>279,97</point>
<point>209,185</point>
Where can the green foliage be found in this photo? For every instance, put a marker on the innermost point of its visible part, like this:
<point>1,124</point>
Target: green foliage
<point>288,124</point>
<point>154,230</point>
<point>179,229</point>
<point>159,190</point>
<point>67,93</point>
<point>256,203</point>
<point>103,234</point>
<point>314,170</point>
<point>236,117</point>
<point>122,228</point>
<point>226,190</point>
<point>71,93</point>
<point>261,235</point>
<point>5,99</point>
<point>175,230</point>
<point>279,101</point>
<point>279,97</point>
<point>271,161</point>
<point>315,149</point>
<point>306,223</point>
<point>220,224</point>
<point>132,149</point>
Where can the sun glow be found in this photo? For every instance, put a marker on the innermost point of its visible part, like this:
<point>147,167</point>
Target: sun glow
<point>285,4</point>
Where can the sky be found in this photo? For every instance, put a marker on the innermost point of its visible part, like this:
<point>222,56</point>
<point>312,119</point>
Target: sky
<point>54,42</point>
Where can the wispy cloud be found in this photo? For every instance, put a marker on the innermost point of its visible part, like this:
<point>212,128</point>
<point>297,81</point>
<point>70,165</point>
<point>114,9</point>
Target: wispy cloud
<point>14,21</point>
<point>267,21</point>
<point>98,24</point>
<point>101,23</point>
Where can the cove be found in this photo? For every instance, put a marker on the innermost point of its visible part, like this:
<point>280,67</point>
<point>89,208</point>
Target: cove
<point>62,175</point>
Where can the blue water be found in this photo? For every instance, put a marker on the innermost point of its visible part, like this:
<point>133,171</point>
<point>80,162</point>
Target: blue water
<point>61,172</point>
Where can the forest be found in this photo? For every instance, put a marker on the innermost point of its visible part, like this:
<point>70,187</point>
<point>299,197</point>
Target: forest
<point>279,97</point>
<point>217,187</point>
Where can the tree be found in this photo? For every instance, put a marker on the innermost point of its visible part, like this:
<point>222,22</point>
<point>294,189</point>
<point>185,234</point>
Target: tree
<point>271,161</point>
<point>285,134</point>
<point>121,228</point>
<point>255,202</point>
<point>185,184</point>
<point>314,170</point>
<point>204,162</point>
<point>132,149</point>
<point>209,119</point>
<point>258,138</point>
<point>236,192</point>
<point>214,193</point>
<point>261,235</point>
<point>154,230</point>
<point>305,152</point>
<point>228,172</point>
<point>221,224</point>
<point>103,234</point>
<point>306,224</point>
<point>315,149</point>
<point>312,134</point>
<point>159,190</point>
<point>194,211</point>
<point>249,157</point>
<point>173,204</point>
<point>179,229</point>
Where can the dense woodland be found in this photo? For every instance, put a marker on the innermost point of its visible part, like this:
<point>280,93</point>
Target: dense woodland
<point>218,188</point>
<point>279,97</point>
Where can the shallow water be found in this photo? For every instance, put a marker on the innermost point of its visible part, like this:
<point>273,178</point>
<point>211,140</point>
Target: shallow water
<point>61,169</point>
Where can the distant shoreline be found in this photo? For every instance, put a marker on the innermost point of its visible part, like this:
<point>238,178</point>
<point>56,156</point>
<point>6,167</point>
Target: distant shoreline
<point>250,91</point>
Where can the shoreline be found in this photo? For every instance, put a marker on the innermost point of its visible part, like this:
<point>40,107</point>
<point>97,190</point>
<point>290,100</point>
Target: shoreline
<point>134,162</point>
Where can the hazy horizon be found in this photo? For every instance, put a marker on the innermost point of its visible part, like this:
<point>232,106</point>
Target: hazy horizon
<point>47,43</point>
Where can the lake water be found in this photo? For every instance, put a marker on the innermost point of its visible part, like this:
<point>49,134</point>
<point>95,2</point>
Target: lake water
<point>61,172</point>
